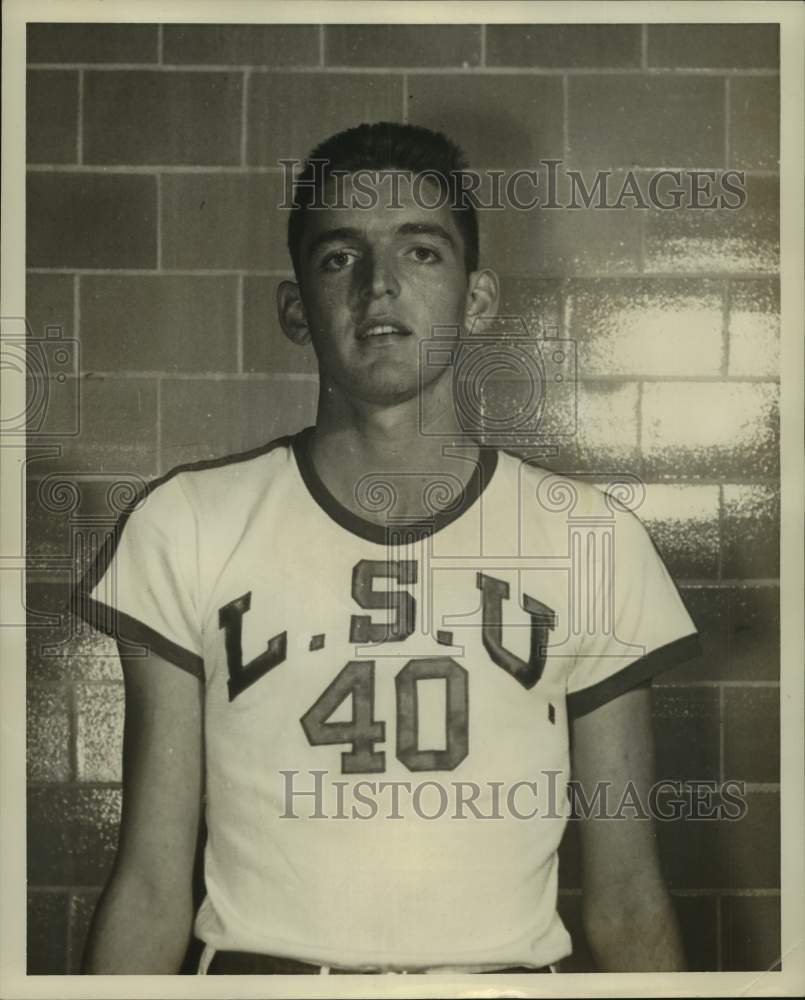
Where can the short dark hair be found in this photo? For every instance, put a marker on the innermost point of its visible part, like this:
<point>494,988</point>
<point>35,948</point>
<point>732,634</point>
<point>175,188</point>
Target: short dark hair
<point>386,146</point>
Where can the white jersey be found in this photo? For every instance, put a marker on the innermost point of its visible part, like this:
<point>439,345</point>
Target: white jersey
<point>386,708</point>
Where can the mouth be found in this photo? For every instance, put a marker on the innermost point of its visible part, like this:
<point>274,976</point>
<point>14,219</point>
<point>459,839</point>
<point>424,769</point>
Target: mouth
<point>381,330</point>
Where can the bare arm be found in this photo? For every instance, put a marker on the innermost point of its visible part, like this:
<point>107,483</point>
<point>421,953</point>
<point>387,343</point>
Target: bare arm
<point>144,918</point>
<point>628,914</point>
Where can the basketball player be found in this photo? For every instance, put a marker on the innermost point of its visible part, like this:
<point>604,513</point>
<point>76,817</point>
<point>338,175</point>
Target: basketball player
<point>368,645</point>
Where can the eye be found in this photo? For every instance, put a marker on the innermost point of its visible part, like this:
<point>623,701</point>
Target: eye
<point>425,255</point>
<point>338,260</point>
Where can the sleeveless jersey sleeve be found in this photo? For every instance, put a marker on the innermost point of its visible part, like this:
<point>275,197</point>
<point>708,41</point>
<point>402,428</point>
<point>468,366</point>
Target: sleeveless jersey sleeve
<point>640,626</point>
<point>143,587</point>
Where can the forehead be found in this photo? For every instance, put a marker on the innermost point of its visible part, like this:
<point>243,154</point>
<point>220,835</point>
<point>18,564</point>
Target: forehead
<point>378,203</point>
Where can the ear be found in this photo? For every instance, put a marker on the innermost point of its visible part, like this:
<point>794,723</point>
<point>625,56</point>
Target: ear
<point>291,312</point>
<point>483,292</point>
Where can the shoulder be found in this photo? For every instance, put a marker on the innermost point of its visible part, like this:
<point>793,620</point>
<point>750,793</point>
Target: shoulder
<point>219,486</point>
<point>573,495</point>
<point>555,510</point>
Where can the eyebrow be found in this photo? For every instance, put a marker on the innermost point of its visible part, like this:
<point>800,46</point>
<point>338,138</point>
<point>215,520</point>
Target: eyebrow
<point>426,229</point>
<point>331,235</point>
<point>406,229</point>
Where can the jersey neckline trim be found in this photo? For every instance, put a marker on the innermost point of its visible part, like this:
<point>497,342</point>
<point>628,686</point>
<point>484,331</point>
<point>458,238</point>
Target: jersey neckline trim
<point>398,532</point>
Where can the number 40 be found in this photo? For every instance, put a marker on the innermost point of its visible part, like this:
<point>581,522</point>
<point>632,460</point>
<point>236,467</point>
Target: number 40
<point>363,731</point>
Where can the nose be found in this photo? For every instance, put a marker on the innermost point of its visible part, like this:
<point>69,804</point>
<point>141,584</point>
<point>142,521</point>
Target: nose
<point>379,278</point>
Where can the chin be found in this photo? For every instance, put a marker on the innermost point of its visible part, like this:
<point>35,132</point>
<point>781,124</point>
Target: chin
<point>385,384</point>
<point>381,384</point>
<point>388,391</point>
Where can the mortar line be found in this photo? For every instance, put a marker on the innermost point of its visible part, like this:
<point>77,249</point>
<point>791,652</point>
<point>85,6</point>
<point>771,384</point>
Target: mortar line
<point>80,119</point>
<point>77,308</point>
<point>640,421</point>
<point>158,221</point>
<point>159,425</point>
<point>72,715</point>
<point>644,46</point>
<point>70,936</point>
<point>483,46</point>
<point>725,327</point>
<point>565,309</point>
<point>719,945</point>
<point>67,889</point>
<point>220,168</point>
<point>591,381</point>
<point>239,323</point>
<point>730,893</point>
<point>711,685</point>
<point>727,135</point>
<point>544,276</point>
<point>204,376</point>
<point>244,116</point>
<point>670,71</point>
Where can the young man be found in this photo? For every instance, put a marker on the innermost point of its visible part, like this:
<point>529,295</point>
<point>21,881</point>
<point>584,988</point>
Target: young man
<point>368,645</point>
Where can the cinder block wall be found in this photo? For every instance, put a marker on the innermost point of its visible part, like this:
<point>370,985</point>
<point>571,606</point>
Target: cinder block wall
<point>154,241</point>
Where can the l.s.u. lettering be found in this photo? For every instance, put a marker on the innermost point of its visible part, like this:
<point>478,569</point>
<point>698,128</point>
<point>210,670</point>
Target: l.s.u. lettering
<point>400,605</point>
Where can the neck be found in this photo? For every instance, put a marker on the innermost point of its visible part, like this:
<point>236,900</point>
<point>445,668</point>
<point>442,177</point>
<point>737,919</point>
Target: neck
<point>412,434</point>
<point>353,438</point>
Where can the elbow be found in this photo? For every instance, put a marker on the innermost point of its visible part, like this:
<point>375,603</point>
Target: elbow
<point>605,928</point>
<point>633,931</point>
<point>139,926</point>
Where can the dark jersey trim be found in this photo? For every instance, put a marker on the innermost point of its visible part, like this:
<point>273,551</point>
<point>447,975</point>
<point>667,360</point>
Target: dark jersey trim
<point>122,626</point>
<point>394,532</point>
<point>117,623</point>
<point>638,672</point>
<point>99,566</point>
